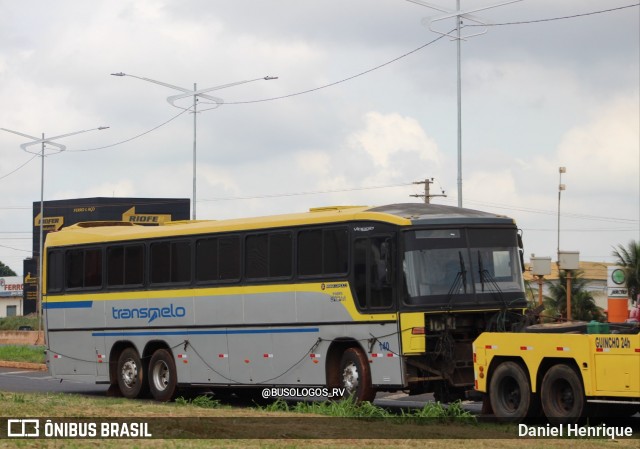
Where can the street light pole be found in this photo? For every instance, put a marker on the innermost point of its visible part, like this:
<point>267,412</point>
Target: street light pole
<point>459,14</point>
<point>195,93</point>
<point>561,187</point>
<point>195,114</point>
<point>59,149</point>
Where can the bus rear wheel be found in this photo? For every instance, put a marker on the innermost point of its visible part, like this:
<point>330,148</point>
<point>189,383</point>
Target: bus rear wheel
<point>131,374</point>
<point>163,378</point>
<point>510,392</point>
<point>562,395</point>
<point>355,376</point>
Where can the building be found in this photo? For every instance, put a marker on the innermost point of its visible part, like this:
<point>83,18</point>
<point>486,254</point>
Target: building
<point>10,296</point>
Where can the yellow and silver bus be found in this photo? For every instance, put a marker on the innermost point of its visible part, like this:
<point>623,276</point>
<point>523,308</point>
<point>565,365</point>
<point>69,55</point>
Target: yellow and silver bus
<point>362,299</point>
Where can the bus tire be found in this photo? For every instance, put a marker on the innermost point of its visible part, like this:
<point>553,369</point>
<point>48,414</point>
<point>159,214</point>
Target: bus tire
<point>163,378</point>
<point>510,392</point>
<point>131,374</point>
<point>562,395</point>
<point>355,376</point>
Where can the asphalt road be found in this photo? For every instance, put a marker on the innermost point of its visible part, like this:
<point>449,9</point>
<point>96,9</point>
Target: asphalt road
<point>20,380</point>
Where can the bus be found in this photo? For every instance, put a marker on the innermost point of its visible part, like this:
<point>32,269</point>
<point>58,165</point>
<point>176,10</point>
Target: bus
<point>363,299</point>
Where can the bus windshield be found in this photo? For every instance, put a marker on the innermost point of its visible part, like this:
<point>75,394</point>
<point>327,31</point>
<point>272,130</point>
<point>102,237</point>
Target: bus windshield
<point>462,266</point>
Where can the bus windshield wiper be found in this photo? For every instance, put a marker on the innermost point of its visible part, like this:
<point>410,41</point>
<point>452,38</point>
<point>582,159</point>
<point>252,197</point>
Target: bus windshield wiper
<point>461,277</point>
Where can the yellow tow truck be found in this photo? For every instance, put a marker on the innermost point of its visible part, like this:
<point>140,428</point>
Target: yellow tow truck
<point>561,376</point>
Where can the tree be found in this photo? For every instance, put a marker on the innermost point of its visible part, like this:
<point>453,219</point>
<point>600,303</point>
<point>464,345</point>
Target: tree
<point>6,271</point>
<point>583,305</point>
<point>628,258</point>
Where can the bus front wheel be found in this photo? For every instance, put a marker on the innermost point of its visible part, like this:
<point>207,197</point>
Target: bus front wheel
<point>131,374</point>
<point>163,379</point>
<point>355,375</point>
<point>510,392</point>
<point>562,395</point>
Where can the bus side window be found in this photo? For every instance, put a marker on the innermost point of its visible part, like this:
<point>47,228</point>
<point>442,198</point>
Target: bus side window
<point>372,272</point>
<point>323,252</point>
<point>55,271</point>
<point>83,268</point>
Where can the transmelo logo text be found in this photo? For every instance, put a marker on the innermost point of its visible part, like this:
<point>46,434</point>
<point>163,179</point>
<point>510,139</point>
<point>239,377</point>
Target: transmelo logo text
<point>152,313</point>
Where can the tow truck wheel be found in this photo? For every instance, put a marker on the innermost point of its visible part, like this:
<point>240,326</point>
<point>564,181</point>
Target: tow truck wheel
<point>510,392</point>
<point>562,395</point>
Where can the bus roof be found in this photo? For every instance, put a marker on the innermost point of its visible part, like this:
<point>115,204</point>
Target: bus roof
<point>405,214</point>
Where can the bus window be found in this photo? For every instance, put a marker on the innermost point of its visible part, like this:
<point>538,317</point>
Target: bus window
<point>269,255</point>
<point>323,252</point>
<point>335,251</point>
<point>207,260</point>
<point>229,258</point>
<point>218,259</point>
<point>256,253</point>
<point>372,270</point>
<point>125,265</point>
<point>280,254</point>
<point>83,268</point>
<point>170,262</point>
<point>55,272</point>
<point>310,252</point>
<point>431,272</point>
<point>496,261</point>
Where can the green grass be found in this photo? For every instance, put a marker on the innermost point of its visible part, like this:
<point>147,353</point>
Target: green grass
<point>12,323</point>
<point>200,401</point>
<point>22,353</point>
<point>349,408</point>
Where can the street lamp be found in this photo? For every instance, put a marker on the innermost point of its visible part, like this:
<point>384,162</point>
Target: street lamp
<point>58,148</point>
<point>195,93</point>
<point>561,187</point>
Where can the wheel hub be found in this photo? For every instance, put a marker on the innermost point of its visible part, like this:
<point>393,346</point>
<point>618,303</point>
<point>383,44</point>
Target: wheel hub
<point>129,373</point>
<point>160,376</point>
<point>350,377</point>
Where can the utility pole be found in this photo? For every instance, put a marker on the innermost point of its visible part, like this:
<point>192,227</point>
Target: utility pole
<point>427,196</point>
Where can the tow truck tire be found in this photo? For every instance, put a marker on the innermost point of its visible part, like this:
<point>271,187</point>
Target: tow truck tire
<point>131,373</point>
<point>163,378</point>
<point>510,392</point>
<point>562,395</point>
<point>355,375</point>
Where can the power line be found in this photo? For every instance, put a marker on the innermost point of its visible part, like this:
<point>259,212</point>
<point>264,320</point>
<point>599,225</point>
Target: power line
<point>525,22</point>
<point>134,137</point>
<point>16,249</point>
<point>16,169</point>
<point>342,80</point>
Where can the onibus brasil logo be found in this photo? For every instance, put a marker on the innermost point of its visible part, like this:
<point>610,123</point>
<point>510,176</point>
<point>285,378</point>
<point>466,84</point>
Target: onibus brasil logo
<point>152,313</point>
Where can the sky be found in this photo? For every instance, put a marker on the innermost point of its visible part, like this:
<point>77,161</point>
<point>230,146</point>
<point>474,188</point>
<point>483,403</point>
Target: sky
<point>365,105</point>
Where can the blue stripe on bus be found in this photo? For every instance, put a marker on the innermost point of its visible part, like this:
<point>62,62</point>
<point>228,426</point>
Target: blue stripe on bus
<point>212,332</point>
<point>68,305</point>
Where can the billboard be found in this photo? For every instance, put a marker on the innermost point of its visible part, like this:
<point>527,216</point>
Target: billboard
<point>10,286</point>
<point>616,283</point>
<point>145,211</point>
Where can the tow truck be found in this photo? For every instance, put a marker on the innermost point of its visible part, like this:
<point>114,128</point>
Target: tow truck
<point>564,377</point>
